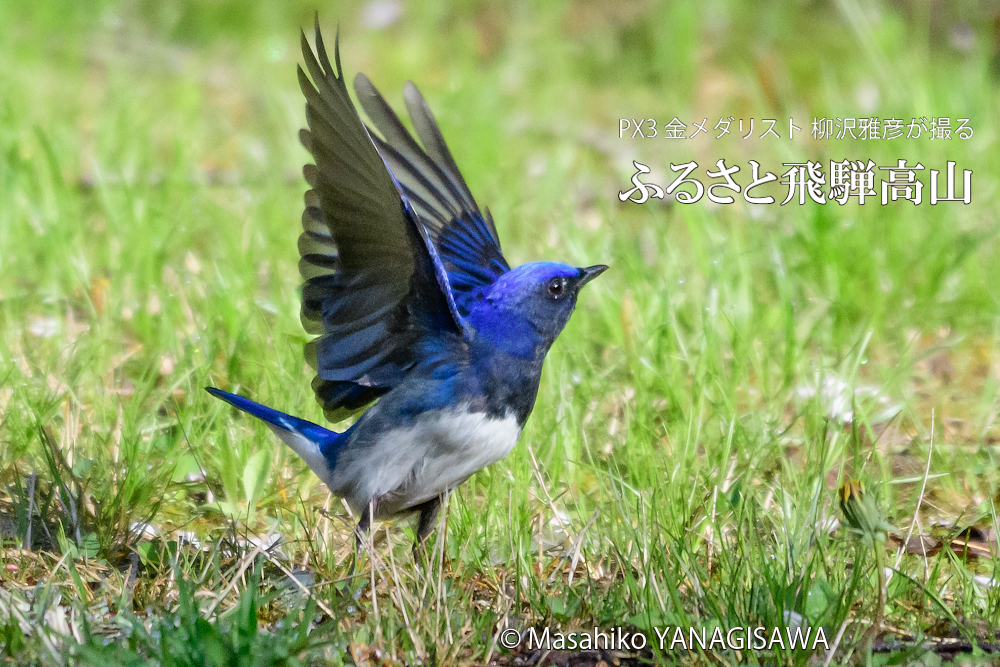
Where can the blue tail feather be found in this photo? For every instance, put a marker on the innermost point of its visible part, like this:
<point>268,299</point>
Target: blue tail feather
<point>296,433</point>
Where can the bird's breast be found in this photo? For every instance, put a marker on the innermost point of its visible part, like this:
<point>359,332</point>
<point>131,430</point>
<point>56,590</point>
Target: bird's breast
<point>412,464</point>
<point>474,436</point>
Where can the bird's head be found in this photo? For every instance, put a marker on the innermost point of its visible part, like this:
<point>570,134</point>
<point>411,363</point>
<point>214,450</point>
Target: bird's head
<point>527,307</point>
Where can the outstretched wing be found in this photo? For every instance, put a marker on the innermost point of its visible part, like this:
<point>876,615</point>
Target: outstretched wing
<point>373,283</point>
<point>465,239</point>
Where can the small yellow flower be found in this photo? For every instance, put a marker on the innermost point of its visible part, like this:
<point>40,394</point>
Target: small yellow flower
<point>861,512</point>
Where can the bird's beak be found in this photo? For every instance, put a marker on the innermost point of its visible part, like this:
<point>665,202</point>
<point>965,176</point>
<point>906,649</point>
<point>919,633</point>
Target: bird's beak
<point>589,273</point>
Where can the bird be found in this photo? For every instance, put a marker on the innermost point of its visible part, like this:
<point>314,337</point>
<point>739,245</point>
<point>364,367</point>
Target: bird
<point>423,327</point>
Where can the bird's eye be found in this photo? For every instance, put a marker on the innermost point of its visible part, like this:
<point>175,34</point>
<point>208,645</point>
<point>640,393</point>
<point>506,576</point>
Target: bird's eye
<point>557,286</point>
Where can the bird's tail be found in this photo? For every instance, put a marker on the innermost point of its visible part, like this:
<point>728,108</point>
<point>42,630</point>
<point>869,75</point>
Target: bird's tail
<point>316,445</point>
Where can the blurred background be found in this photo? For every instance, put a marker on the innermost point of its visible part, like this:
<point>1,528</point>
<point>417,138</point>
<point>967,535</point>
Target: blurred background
<point>150,198</point>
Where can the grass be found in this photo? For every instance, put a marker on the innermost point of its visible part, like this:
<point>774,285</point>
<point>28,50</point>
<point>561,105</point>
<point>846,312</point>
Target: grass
<point>682,464</point>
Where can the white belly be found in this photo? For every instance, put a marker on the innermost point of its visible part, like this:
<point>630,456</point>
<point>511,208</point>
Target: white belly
<point>411,465</point>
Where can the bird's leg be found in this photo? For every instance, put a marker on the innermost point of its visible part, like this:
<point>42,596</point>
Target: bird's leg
<point>364,526</point>
<point>361,532</point>
<point>425,524</point>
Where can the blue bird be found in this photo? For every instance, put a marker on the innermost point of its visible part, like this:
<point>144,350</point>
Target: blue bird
<point>419,315</point>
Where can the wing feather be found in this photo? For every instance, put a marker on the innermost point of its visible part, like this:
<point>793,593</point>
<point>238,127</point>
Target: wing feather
<point>374,285</point>
<point>465,240</point>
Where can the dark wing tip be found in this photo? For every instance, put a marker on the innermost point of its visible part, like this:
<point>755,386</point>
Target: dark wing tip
<point>412,94</point>
<point>319,55</point>
<point>365,89</point>
<point>336,49</point>
<point>304,45</point>
<point>305,85</point>
<point>324,59</point>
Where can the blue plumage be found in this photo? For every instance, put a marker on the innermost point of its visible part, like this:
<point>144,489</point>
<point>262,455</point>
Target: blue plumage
<point>419,316</point>
<point>325,438</point>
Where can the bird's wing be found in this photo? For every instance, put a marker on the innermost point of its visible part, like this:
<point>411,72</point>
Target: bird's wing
<point>374,284</point>
<point>466,240</point>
